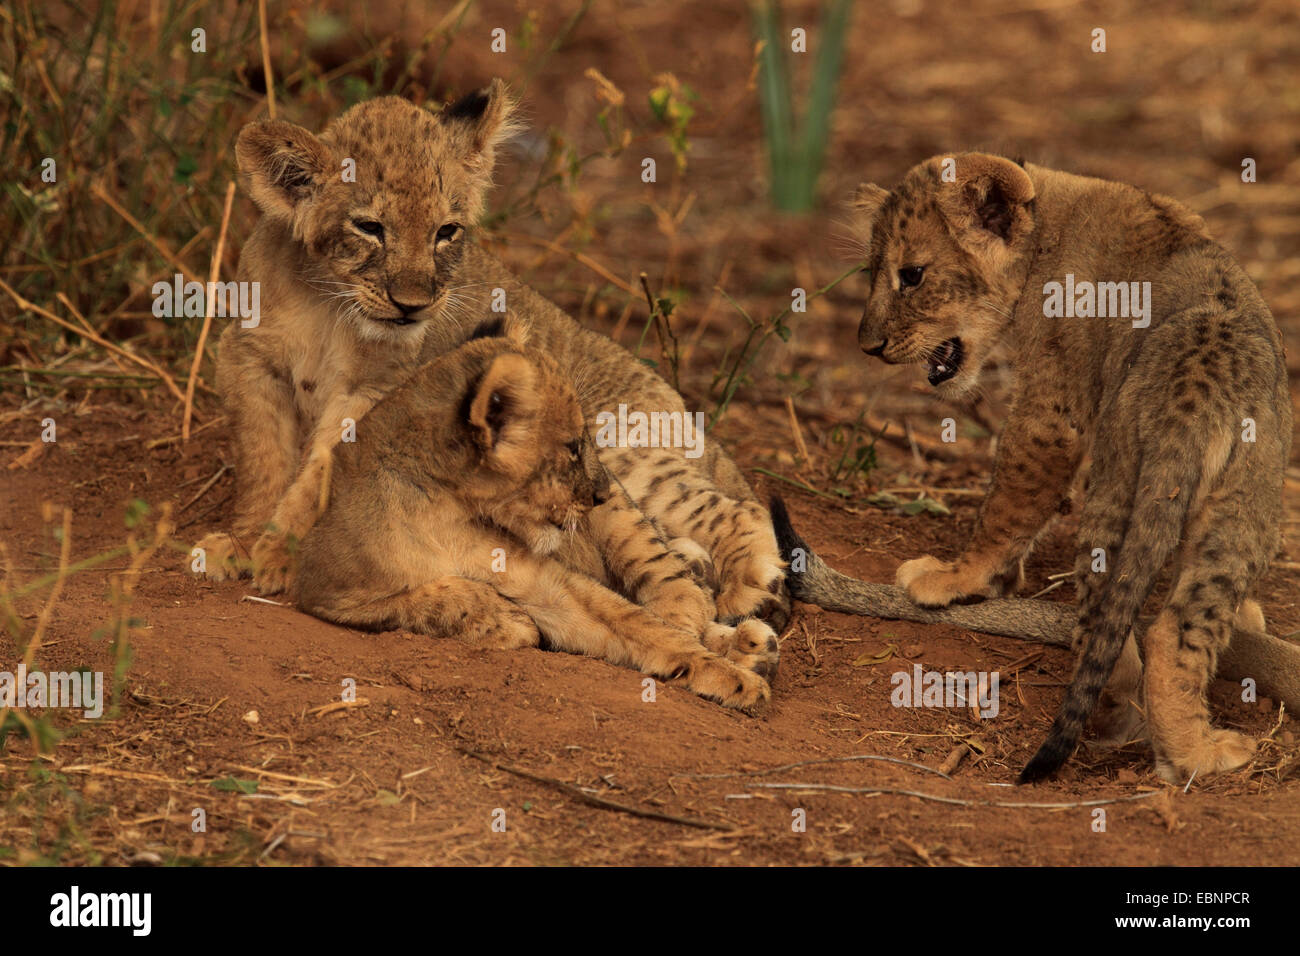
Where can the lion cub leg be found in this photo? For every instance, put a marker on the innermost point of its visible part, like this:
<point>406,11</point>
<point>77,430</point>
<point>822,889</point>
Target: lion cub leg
<point>577,614</point>
<point>1226,548</point>
<point>1038,454</point>
<point>266,456</point>
<point>646,569</point>
<point>450,606</point>
<point>273,554</point>
<point>737,535</point>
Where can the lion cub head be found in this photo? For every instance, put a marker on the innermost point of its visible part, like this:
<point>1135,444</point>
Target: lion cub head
<point>510,440</point>
<point>381,200</point>
<point>946,255</point>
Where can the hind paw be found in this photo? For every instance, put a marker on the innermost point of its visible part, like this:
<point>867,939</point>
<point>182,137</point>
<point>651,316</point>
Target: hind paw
<point>751,644</point>
<point>1219,751</point>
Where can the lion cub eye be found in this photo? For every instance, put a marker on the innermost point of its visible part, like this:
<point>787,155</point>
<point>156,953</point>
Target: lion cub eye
<point>370,228</point>
<point>447,232</point>
<point>910,276</point>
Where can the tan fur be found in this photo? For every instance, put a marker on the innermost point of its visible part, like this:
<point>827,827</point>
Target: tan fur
<point>327,347</point>
<point>473,505</point>
<point>1142,402</point>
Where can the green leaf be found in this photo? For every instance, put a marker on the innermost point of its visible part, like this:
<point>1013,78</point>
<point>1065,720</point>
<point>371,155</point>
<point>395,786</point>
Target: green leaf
<point>235,785</point>
<point>186,166</point>
<point>136,509</point>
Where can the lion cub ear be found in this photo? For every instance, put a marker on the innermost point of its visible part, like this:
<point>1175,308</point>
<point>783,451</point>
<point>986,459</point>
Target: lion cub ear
<point>868,200</point>
<point>479,122</point>
<point>281,165</point>
<point>502,405</point>
<point>993,191</point>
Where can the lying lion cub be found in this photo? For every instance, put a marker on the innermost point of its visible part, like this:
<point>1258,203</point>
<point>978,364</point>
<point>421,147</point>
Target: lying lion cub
<point>471,504</point>
<point>1138,341</point>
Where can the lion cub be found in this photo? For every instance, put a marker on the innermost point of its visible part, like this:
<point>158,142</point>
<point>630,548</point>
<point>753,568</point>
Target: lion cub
<point>368,267</point>
<point>473,504</point>
<point>1139,342</point>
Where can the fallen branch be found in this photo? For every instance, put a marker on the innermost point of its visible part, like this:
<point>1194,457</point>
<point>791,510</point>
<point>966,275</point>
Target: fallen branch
<point>1273,664</point>
<point>579,794</point>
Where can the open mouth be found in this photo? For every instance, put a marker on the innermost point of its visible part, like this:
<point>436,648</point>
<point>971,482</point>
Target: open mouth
<point>944,362</point>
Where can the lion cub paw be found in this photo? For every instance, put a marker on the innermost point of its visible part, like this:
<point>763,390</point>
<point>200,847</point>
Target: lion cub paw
<point>930,582</point>
<point>223,557</point>
<point>751,644</point>
<point>506,631</point>
<point>722,680</point>
<point>1219,751</point>
<point>760,593</point>
<point>273,562</point>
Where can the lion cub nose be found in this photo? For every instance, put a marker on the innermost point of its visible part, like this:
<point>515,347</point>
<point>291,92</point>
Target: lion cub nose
<point>876,350</point>
<point>406,308</point>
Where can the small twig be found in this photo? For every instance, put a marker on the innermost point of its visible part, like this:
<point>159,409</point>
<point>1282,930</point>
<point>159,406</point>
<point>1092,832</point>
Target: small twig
<point>954,758</point>
<point>810,763</point>
<point>326,709</point>
<point>214,273</point>
<point>207,485</point>
<point>954,800</point>
<point>797,432</point>
<point>102,194</point>
<point>266,59</point>
<point>799,484</point>
<point>173,439</point>
<point>93,336</point>
<point>579,794</point>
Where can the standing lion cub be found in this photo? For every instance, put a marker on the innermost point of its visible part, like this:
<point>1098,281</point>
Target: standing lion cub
<point>473,505</point>
<point>1138,342</point>
<point>368,268</point>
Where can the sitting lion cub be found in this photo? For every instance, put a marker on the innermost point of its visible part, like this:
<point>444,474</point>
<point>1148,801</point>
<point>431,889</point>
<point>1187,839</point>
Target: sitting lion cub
<point>471,504</point>
<point>1138,341</point>
<point>368,268</point>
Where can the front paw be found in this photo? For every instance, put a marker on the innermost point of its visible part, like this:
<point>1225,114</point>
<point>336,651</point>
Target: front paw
<point>751,644</point>
<point>273,561</point>
<point>219,556</point>
<point>930,582</point>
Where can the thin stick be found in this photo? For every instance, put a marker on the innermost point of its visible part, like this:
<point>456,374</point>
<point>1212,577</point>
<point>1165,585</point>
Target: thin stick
<point>798,434</point>
<point>266,59</point>
<point>99,192</point>
<point>173,439</point>
<point>809,763</point>
<point>214,273</point>
<point>954,800</point>
<point>586,260</point>
<point>204,490</point>
<point>93,336</point>
<point>579,794</point>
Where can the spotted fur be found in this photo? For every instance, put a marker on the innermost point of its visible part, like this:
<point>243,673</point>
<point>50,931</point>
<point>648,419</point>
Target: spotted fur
<point>1187,423</point>
<point>473,505</point>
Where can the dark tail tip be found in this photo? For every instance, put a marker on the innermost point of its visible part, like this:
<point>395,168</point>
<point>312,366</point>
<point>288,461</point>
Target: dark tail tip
<point>787,538</point>
<point>1051,755</point>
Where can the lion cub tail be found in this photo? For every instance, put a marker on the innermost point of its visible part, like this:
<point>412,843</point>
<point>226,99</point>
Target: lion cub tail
<point>1109,609</point>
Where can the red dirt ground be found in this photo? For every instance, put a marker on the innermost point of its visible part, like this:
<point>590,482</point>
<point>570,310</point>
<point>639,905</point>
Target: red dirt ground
<point>391,782</point>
